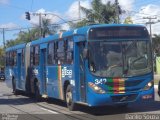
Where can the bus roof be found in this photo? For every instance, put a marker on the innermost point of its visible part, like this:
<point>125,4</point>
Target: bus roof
<point>19,46</point>
<point>79,31</point>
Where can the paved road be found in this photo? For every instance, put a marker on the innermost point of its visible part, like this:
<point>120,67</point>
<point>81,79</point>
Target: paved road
<point>22,107</point>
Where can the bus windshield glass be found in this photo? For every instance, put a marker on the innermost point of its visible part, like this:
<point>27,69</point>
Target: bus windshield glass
<point>119,58</point>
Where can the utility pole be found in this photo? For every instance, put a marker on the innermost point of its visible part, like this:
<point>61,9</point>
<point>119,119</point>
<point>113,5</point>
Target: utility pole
<point>79,7</point>
<point>150,24</point>
<point>40,24</point>
<point>117,11</point>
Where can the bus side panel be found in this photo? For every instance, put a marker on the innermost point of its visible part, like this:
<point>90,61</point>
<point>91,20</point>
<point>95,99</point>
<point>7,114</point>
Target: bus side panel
<point>56,77</point>
<point>52,82</point>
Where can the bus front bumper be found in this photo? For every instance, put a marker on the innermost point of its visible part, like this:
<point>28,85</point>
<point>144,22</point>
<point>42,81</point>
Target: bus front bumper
<point>95,99</point>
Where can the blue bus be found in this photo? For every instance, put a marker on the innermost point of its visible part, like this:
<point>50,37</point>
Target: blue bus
<point>95,65</point>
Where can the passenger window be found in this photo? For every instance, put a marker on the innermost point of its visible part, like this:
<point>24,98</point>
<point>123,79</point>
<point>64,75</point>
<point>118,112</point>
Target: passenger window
<point>35,55</point>
<point>22,57</point>
<point>61,52</point>
<point>51,58</point>
<point>69,52</point>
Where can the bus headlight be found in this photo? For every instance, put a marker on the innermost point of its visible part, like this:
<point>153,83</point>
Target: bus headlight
<point>148,85</point>
<point>96,88</point>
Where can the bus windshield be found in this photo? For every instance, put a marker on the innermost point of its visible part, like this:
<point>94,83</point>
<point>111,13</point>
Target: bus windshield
<point>119,59</point>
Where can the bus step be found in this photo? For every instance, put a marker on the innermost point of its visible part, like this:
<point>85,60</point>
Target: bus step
<point>44,96</point>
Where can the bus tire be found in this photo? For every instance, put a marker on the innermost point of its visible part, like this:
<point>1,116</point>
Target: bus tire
<point>37,92</point>
<point>15,92</point>
<point>159,88</point>
<point>69,100</point>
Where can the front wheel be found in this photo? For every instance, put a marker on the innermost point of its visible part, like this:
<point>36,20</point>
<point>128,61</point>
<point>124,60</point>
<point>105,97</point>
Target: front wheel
<point>69,99</point>
<point>159,88</point>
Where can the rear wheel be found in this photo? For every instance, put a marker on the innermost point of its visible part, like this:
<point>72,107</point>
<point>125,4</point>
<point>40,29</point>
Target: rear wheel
<point>37,92</point>
<point>69,99</point>
<point>15,92</point>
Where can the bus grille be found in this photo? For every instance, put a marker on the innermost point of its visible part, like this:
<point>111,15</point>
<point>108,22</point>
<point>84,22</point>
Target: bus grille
<point>124,98</point>
<point>123,86</point>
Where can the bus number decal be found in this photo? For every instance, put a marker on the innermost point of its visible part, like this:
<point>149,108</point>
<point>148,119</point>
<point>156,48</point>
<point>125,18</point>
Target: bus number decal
<point>100,81</point>
<point>66,72</point>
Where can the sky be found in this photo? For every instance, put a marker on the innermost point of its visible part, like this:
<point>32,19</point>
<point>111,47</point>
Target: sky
<point>12,13</point>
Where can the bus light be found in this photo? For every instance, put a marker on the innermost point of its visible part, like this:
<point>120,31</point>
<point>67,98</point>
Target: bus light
<point>148,85</point>
<point>96,88</point>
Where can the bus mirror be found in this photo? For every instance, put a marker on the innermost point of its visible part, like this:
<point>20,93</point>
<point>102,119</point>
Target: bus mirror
<point>85,53</point>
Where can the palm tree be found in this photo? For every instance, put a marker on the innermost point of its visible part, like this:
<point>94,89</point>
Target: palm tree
<point>100,13</point>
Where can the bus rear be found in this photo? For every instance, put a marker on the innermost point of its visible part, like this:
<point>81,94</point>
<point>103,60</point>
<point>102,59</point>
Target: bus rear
<point>118,66</point>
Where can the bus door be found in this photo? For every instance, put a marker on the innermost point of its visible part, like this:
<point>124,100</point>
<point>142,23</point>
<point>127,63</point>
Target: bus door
<point>81,46</point>
<point>19,68</point>
<point>43,68</point>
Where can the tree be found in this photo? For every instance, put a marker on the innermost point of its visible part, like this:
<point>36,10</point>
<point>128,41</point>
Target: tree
<point>34,33</point>
<point>128,20</point>
<point>100,13</point>
<point>2,57</point>
<point>156,44</point>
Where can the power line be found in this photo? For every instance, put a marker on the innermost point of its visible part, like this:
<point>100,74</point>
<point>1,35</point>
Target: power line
<point>150,24</point>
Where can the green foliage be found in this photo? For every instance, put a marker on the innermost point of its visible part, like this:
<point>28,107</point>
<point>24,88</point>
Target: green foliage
<point>156,44</point>
<point>100,13</point>
<point>33,34</point>
<point>128,20</point>
<point>2,58</point>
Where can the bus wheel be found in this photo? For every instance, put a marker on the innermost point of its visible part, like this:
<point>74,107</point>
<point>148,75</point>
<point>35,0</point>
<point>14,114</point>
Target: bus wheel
<point>159,88</point>
<point>70,104</point>
<point>37,93</point>
<point>14,87</point>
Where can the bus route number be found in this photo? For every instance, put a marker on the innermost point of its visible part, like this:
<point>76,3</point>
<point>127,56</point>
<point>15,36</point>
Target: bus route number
<point>100,81</point>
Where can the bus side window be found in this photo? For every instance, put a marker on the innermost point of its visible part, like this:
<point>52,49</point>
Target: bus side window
<point>51,58</point>
<point>22,57</point>
<point>11,59</point>
<point>61,52</point>
<point>31,56</point>
<point>69,51</point>
<point>36,55</point>
<point>14,58</point>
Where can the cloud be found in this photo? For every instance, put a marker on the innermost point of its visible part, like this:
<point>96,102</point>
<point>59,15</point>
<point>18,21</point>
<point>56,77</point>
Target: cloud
<point>125,4</point>
<point>8,25</point>
<point>148,11</point>
<point>73,11</point>
<point>4,1</point>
